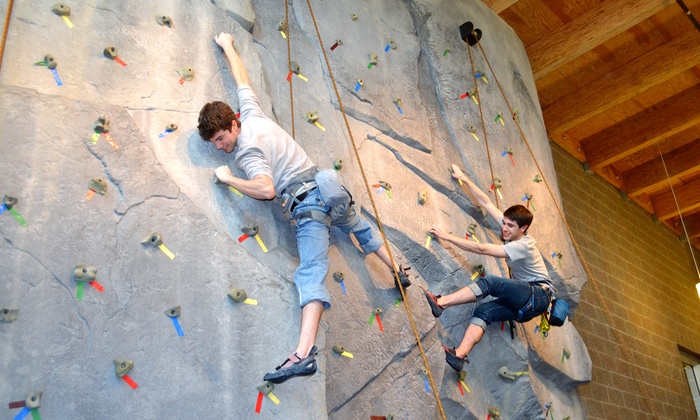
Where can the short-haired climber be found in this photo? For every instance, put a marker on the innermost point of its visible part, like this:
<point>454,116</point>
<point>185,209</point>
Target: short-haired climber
<point>521,298</point>
<point>276,166</point>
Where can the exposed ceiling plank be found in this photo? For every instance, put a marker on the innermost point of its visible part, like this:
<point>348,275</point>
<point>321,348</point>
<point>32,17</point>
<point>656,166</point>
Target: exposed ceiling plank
<point>687,196</point>
<point>692,224</point>
<point>643,129</point>
<point>593,28</point>
<point>623,83</point>
<point>499,5</point>
<point>651,175</point>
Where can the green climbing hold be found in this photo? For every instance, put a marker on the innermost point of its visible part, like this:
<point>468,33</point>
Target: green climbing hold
<point>173,312</point>
<point>9,201</point>
<point>84,273</point>
<point>311,116</point>
<point>61,9</point>
<point>238,295</point>
<point>110,52</point>
<point>154,239</point>
<point>123,367</point>
<point>98,185</point>
<point>338,349</point>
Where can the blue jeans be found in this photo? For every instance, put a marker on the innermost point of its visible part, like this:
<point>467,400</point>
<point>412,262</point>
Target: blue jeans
<point>312,243</point>
<point>513,295</point>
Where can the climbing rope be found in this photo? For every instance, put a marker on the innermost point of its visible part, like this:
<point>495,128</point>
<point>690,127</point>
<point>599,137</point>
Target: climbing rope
<point>8,15</point>
<point>607,311</point>
<point>289,65</point>
<point>379,223</point>
<point>483,125</point>
<point>670,184</point>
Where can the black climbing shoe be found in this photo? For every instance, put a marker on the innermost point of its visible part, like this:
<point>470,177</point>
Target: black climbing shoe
<point>403,275</point>
<point>300,367</point>
<point>432,301</point>
<point>455,362</point>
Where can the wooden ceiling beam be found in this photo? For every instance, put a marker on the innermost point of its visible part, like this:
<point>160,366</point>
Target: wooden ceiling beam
<point>692,224</point>
<point>499,5</point>
<point>651,175</point>
<point>625,82</point>
<point>687,196</point>
<point>643,129</point>
<point>589,30</point>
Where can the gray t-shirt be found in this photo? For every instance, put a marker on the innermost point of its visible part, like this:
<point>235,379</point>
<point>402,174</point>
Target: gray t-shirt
<point>525,260</point>
<point>264,148</point>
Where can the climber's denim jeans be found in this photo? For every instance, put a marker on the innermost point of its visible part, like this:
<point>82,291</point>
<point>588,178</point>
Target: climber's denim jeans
<point>313,238</point>
<point>513,295</point>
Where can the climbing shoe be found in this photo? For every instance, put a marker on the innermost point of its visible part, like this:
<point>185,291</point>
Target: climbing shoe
<point>299,367</point>
<point>455,362</point>
<point>432,301</point>
<point>403,275</point>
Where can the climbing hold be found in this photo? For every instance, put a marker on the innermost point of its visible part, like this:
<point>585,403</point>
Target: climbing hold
<point>462,375</point>
<point>385,185</point>
<point>392,44</point>
<point>238,295</point>
<point>495,412</point>
<point>338,276</point>
<point>338,349</point>
<point>8,315</point>
<point>154,239</point>
<point>397,102</point>
<point>110,52</point>
<point>480,270</point>
<point>173,312</point>
<point>566,354</point>
<point>250,230</point>
<point>294,67</point>
<point>98,185</point>
<point>61,9</point>
<point>504,372</point>
<point>123,367</point>
<point>373,59</point>
<point>338,164</point>
<point>471,229</point>
<point>266,387</point>
<point>537,179</point>
<point>186,73</point>
<point>33,399</point>
<point>353,16</point>
<point>424,370</point>
<point>360,82</point>
<point>422,197</point>
<point>84,273</point>
<point>282,26</point>
<point>337,42</point>
<point>311,117</point>
<point>50,61</point>
<point>516,115</point>
<point>378,311</point>
<point>468,34</point>
<point>9,201</point>
<point>164,20</point>
<point>102,124</point>
<point>170,128</point>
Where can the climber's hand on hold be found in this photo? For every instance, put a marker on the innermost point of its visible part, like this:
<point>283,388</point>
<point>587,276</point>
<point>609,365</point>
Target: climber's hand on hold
<point>224,174</point>
<point>458,174</point>
<point>224,40</point>
<point>439,233</point>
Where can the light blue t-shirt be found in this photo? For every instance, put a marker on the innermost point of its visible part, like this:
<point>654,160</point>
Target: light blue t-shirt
<point>263,147</point>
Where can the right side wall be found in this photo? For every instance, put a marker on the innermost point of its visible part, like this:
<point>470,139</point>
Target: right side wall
<point>647,278</point>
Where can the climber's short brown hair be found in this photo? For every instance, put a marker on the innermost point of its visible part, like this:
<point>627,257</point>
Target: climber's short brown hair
<point>213,117</point>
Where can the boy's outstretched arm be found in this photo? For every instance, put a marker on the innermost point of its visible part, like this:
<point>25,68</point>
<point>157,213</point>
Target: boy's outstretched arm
<point>481,197</point>
<point>240,75</point>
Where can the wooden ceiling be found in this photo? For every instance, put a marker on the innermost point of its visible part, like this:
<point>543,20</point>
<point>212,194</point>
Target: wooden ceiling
<point>619,80</point>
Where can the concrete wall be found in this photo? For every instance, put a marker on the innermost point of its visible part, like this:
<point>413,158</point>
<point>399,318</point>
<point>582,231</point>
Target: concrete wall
<point>647,279</point>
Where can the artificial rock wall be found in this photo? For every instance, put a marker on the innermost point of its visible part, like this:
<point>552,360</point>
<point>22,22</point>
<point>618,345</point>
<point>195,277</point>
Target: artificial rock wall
<point>65,346</point>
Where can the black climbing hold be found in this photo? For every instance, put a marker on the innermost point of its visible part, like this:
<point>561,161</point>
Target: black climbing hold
<point>468,34</point>
<point>250,230</point>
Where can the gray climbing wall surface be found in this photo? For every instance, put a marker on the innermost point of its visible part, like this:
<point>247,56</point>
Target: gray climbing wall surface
<point>162,181</point>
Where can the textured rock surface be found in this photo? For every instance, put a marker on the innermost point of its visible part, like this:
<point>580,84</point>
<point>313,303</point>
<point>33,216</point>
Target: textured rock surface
<point>65,347</point>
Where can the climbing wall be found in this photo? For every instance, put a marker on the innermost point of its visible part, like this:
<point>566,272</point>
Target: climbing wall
<point>143,70</point>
